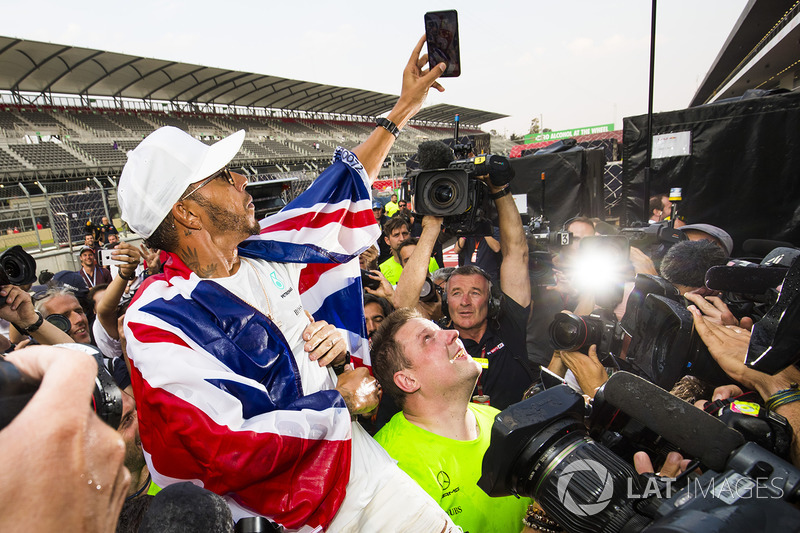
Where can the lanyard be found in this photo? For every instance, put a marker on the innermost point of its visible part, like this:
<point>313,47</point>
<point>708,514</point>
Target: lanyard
<point>91,282</point>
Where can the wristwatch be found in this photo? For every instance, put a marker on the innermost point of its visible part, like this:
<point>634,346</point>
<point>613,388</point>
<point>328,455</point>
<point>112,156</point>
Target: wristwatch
<point>499,194</point>
<point>33,327</point>
<point>127,278</point>
<point>390,126</point>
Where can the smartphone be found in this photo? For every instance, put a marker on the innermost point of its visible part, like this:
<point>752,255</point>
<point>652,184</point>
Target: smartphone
<point>368,281</point>
<point>441,34</point>
<point>106,260</point>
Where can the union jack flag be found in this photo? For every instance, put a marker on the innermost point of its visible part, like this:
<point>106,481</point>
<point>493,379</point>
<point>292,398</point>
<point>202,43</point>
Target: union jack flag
<point>218,392</point>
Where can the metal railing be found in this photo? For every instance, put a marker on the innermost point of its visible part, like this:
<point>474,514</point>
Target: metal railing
<point>52,215</point>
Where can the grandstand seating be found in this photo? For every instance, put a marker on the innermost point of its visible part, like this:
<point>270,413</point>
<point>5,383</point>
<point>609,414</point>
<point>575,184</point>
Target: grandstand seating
<point>9,120</point>
<point>40,118</point>
<point>355,130</point>
<point>90,136</point>
<point>296,129</point>
<point>132,123</point>
<point>46,155</point>
<point>98,123</point>
<point>258,149</point>
<point>317,147</point>
<point>9,162</point>
<point>279,148</point>
<point>128,145</point>
<point>104,153</point>
<point>169,120</point>
<point>202,125</point>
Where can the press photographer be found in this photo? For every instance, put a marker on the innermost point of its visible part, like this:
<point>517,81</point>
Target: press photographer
<point>71,476</point>
<point>655,338</point>
<point>588,486</point>
<point>542,448</point>
<point>18,268</point>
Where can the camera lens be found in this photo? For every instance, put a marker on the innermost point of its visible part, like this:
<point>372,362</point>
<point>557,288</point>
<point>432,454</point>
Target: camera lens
<point>12,268</point>
<point>580,483</point>
<point>568,332</point>
<point>18,267</point>
<point>443,194</point>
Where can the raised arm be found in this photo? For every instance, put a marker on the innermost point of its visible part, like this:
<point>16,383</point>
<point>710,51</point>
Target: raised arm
<point>416,82</point>
<point>514,278</point>
<point>107,306</point>
<point>18,309</point>
<point>406,294</point>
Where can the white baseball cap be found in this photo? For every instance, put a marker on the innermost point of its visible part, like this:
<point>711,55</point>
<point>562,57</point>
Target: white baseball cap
<point>161,168</point>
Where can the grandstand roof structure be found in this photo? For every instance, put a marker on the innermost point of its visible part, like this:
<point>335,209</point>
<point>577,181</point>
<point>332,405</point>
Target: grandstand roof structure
<point>761,52</point>
<point>46,69</point>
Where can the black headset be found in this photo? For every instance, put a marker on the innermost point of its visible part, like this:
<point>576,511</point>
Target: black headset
<point>495,296</point>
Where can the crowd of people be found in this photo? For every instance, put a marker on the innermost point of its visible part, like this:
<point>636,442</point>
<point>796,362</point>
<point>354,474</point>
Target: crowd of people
<point>252,387</point>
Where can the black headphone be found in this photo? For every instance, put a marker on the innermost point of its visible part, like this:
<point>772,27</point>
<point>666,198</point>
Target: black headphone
<point>495,294</point>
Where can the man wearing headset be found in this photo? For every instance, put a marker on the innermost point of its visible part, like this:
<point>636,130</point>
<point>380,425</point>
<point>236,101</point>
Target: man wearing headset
<point>491,320</point>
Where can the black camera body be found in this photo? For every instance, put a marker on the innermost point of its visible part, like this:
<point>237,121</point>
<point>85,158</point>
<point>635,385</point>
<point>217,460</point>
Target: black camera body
<point>580,469</point>
<point>16,390</point>
<point>646,237</point>
<point>456,194</point>
<point>574,333</point>
<point>540,238</point>
<point>664,346</point>
<point>540,243</point>
<point>547,239</point>
<point>17,267</point>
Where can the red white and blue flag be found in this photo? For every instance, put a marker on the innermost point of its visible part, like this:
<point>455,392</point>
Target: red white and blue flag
<point>218,392</point>
<point>327,227</point>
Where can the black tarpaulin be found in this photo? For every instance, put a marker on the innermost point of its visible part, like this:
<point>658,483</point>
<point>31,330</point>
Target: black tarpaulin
<point>573,184</point>
<point>743,173</point>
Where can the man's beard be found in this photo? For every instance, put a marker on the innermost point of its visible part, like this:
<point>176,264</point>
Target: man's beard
<point>224,220</point>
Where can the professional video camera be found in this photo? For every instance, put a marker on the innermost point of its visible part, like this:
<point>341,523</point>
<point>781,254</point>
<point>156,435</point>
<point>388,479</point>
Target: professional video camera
<point>540,237</point>
<point>451,189</point>
<point>17,267</point>
<point>16,390</point>
<point>579,470</point>
<point>456,193</point>
<point>541,242</point>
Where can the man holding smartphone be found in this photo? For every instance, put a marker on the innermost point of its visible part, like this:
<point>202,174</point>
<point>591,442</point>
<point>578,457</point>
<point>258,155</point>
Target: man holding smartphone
<point>229,371</point>
<point>91,273</point>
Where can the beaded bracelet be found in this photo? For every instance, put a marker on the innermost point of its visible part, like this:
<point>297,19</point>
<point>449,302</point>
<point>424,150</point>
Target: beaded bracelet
<point>538,519</point>
<point>532,523</point>
<point>783,397</point>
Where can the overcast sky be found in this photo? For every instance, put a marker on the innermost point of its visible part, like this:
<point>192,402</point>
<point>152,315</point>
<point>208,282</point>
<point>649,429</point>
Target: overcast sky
<point>576,63</point>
